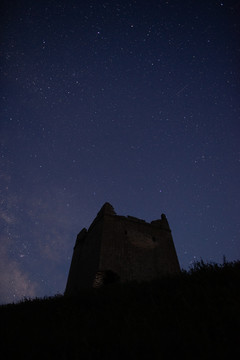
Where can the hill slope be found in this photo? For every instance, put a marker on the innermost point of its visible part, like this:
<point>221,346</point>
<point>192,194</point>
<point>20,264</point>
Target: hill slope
<point>195,315</point>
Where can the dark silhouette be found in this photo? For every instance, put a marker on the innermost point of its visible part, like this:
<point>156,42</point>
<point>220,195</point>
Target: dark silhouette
<point>127,247</point>
<point>192,315</point>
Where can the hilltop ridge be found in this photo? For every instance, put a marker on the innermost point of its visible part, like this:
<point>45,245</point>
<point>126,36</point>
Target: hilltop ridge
<point>195,314</point>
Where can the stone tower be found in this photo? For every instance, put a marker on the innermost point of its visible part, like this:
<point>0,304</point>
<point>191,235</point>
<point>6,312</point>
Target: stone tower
<point>119,248</point>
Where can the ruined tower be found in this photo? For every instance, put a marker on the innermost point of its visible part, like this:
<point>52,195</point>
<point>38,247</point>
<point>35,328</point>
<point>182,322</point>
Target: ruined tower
<point>119,248</point>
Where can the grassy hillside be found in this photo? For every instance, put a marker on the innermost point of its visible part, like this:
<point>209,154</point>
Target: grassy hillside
<point>195,315</point>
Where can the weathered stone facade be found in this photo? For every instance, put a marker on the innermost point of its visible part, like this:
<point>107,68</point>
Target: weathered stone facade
<point>119,248</point>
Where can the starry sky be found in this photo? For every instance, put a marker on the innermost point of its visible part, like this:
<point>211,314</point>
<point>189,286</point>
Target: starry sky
<point>131,102</point>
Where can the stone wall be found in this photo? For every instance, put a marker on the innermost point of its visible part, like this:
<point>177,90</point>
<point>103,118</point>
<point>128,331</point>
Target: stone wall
<point>85,260</point>
<point>137,250</point>
<point>128,247</point>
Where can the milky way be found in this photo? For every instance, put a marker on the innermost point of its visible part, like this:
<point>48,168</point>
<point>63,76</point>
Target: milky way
<point>134,103</point>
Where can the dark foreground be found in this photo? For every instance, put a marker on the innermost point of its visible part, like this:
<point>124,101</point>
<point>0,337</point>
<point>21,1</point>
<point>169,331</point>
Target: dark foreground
<point>195,315</point>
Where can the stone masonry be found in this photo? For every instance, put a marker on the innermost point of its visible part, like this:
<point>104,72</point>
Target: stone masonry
<point>119,248</point>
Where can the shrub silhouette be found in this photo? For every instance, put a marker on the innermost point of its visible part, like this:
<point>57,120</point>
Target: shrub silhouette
<point>194,315</point>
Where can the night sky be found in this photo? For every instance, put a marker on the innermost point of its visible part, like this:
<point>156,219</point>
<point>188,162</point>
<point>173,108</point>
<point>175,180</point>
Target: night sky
<point>132,102</point>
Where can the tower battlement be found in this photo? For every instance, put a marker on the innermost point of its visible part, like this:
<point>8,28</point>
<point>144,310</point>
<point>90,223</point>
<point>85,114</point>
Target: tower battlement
<point>120,248</point>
